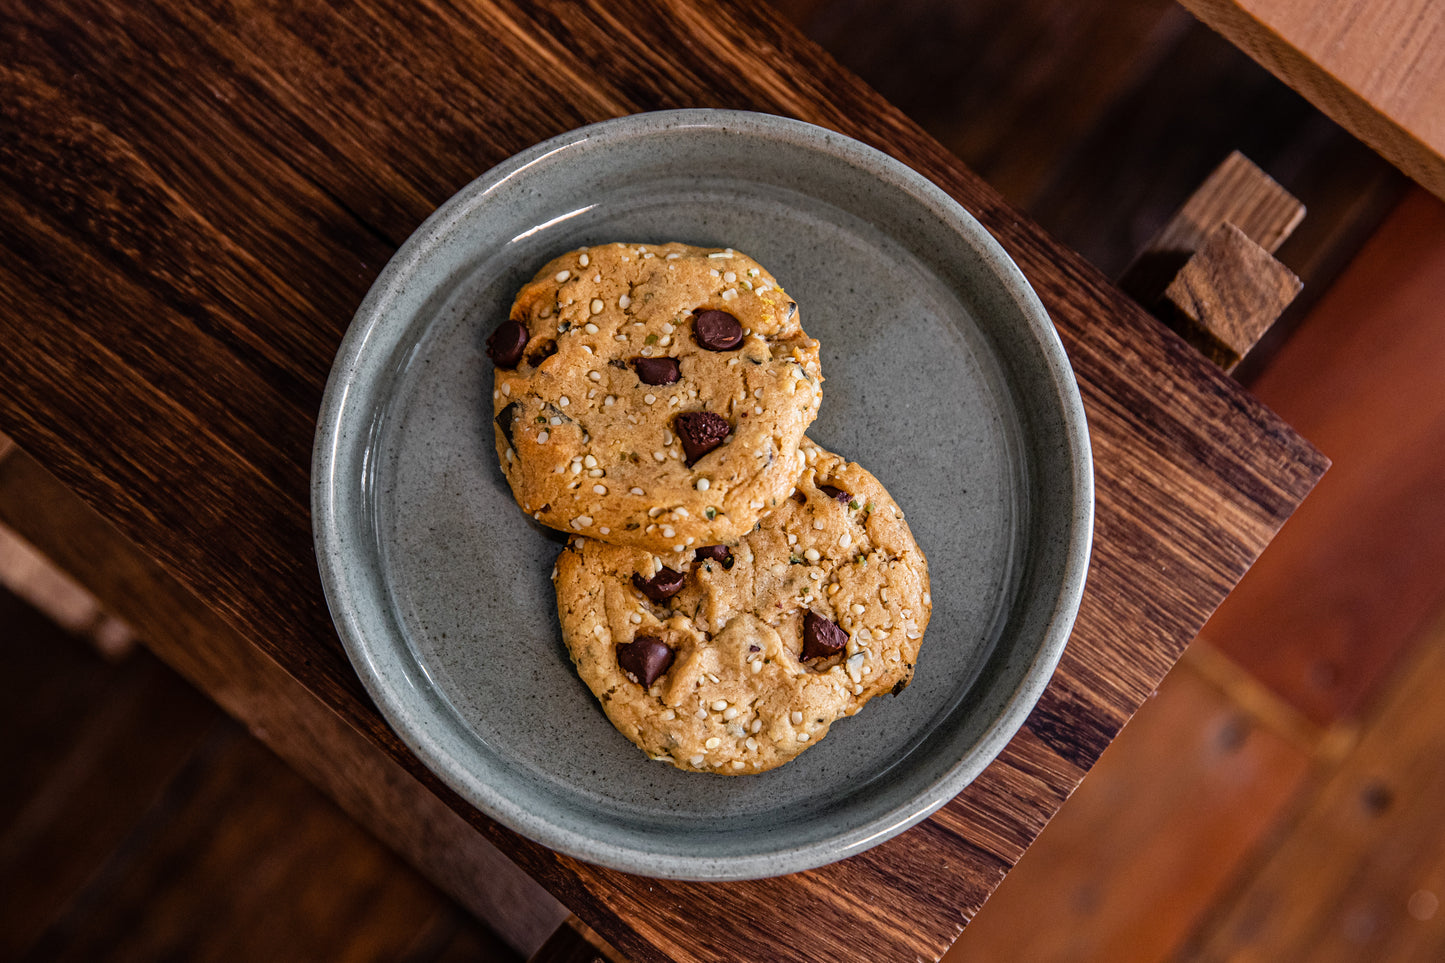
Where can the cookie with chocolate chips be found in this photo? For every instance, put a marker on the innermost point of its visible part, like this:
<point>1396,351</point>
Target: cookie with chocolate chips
<point>652,395</point>
<point>733,658</point>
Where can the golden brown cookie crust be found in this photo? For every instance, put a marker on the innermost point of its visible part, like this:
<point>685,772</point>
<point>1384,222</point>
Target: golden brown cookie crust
<point>589,448</point>
<point>737,697</point>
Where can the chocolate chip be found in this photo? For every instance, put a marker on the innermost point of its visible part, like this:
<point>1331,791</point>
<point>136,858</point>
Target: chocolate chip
<point>662,586</point>
<point>821,637</point>
<point>657,371</point>
<point>644,659</point>
<point>716,330</point>
<point>506,344</point>
<point>701,432</point>
<point>544,351</point>
<point>505,417</point>
<point>718,553</point>
<point>837,494</point>
<point>899,686</point>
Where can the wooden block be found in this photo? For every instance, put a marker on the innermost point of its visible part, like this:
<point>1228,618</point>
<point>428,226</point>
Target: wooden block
<point>1360,875</point>
<point>1237,192</point>
<point>1228,294</point>
<point>1146,844</point>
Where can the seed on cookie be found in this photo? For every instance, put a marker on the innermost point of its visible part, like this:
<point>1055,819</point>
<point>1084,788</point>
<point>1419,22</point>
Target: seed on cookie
<point>837,494</point>
<point>657,371</point>
<point>661,587</point>
<point>717,330</point>
<point>644,659</point>
<point>701,432</point>
<point>506,344</point>
<point>821,637</point>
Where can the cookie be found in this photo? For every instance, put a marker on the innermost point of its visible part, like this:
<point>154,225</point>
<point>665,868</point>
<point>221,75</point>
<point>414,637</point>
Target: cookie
<point>652,395</point>
<point>735,658</point>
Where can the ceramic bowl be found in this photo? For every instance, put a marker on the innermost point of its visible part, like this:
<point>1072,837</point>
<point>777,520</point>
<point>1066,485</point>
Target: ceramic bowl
<point>944,377</point>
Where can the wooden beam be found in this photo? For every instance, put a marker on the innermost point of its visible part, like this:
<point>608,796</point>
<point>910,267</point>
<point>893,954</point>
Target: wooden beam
<point>280,712</point>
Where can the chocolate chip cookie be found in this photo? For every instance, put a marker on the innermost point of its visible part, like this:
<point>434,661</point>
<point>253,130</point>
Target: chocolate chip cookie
<point>652,395</point>
<point>733,658</point>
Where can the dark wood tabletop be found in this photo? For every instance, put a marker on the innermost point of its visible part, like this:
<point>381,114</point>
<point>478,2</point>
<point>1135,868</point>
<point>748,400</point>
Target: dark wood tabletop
<point>196,198</point>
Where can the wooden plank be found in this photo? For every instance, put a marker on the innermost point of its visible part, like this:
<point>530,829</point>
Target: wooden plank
<point>986,78</point>
<point>1360,873</point>
<point>1228,294</point>
<point>113,369</point>
<point>1333,603</point>
<point>87,748</point>
<point>1150,840</point>
<point>391,803</point>
<point>1376,68</point>
<point>190,885</point>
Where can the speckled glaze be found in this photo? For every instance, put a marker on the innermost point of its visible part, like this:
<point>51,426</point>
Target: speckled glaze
<point>944,378</point>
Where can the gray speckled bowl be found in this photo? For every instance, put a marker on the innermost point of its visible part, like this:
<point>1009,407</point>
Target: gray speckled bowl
<point>944,378</point>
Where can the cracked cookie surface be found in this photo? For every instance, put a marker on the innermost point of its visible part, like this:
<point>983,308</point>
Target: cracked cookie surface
<point>735,658</point>
<point>652,395</point>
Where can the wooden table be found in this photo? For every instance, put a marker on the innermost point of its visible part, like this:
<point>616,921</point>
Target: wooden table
<point>1376,68</point>
<point>195,199</point>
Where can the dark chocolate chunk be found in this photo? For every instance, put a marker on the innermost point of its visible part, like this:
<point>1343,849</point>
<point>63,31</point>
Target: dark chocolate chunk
<point>701,432</point>
<point>506,344</point>
<point>644,659</point>
<point>661,587</point>
<point>505,417</point>
<point>837,494</point>
<point>544,351</point>
<point>821,637</point>
<point>657,371</point>
<point>719,553</point>
<point>717,330</point>
<point>900,685</point>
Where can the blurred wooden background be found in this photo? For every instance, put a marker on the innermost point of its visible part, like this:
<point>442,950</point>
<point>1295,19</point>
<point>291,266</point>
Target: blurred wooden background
<point>1279,799</point>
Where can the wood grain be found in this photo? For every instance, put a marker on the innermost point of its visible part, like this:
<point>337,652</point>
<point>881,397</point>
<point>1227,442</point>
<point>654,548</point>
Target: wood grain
<point>1361,872</point>
<point>1378,69</point>
<point>183,258</point>
<point>1228,294</point>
